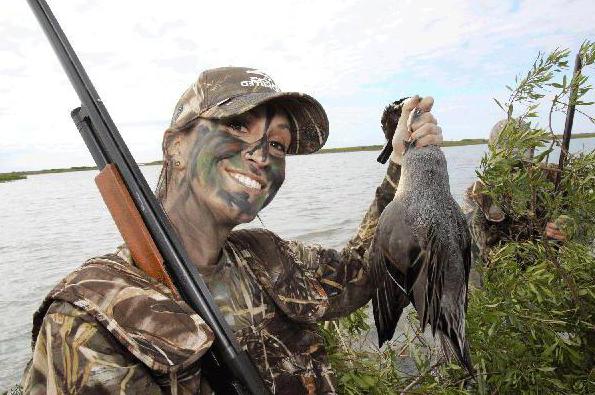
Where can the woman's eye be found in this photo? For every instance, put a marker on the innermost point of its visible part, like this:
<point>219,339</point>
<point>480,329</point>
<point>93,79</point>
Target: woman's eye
<point>278,146</point>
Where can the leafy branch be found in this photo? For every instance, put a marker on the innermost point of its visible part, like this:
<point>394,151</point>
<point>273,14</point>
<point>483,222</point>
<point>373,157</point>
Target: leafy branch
<point>530,88</point>
<point>573,92</point>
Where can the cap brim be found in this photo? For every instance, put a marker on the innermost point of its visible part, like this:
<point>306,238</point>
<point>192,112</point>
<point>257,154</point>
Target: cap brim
<point>308,116</point>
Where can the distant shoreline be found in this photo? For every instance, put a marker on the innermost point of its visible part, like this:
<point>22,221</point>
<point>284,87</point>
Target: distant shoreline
<point>21,175</point>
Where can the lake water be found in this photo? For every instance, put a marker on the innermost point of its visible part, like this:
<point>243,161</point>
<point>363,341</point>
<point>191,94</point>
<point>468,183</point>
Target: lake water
<point>51,223</point>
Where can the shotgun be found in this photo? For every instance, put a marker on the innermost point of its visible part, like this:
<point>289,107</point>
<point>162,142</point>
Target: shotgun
<point>143,223</point>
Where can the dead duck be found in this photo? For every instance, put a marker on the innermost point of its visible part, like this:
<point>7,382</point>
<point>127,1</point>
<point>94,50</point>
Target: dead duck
<point>421,253</point>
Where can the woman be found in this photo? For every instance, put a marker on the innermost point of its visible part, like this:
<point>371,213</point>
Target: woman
<point>107,327</point>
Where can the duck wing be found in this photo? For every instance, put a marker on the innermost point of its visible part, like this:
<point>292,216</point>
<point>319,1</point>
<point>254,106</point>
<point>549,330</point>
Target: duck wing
<point>393,259</point>
<point>428,289</point>
<point>444,295</point>
<point>453,337</point>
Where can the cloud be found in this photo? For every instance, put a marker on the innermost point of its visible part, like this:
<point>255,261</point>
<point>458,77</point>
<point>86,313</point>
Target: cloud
<point>354,56</point>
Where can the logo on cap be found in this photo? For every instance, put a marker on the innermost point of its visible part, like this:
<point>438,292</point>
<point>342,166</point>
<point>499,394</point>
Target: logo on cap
<point>262,80</point>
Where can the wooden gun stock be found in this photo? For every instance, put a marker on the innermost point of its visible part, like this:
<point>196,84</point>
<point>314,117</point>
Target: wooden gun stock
<point>131,225</point>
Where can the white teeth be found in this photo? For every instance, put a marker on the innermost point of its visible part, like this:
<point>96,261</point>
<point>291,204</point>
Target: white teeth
<point>246,181</point>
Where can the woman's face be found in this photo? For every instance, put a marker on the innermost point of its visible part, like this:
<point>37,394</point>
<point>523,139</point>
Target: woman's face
<point>236,166</point>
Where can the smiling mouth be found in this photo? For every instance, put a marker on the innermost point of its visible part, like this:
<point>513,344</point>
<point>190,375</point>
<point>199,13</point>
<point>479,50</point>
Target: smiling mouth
<point>246,180</point>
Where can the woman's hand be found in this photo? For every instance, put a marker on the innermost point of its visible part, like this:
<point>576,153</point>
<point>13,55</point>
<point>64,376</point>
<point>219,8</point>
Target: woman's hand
<point>422,129</point>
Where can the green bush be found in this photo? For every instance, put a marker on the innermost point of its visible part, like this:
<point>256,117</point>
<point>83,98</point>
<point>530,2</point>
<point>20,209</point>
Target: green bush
<point>531,326</point>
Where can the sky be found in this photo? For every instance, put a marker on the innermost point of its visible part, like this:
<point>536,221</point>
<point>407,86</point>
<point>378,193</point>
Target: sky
<point>355,57</point>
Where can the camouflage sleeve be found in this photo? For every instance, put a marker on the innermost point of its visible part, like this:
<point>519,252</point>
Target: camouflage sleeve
<point>344,274</point>
<point>483,232</point>
<point>74,354</point>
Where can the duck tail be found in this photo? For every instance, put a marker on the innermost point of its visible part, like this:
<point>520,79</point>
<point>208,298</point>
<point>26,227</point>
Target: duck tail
<point>455,348</point>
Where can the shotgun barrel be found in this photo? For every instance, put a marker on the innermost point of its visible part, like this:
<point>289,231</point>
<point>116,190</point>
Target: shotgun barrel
<point>227,368</point>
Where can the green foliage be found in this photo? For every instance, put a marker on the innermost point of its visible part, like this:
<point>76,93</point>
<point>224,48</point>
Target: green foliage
<point>523,183</point>
<point>408,364</point>
<point>515,178</point>
<point>21,175</point>
<point>358,370</point>
<point>578,180</point>
<point>531,327</point>
<point>529,89</point>
<point>5,177</point>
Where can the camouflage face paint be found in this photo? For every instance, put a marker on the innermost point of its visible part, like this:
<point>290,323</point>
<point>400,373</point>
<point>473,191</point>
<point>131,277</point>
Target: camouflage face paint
<point>264,145</point>
<point>233,177</point>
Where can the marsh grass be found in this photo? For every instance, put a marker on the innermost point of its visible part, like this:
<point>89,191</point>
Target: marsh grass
<point>6,177</point>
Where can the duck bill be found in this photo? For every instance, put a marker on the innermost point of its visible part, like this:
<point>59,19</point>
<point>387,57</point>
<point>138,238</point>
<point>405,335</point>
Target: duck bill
<point>386,151</point>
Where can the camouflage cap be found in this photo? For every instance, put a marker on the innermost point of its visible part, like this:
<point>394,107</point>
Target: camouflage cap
<point>227,91</point>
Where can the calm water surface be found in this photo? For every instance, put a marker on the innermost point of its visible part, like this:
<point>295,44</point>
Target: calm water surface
<point>51,223</point>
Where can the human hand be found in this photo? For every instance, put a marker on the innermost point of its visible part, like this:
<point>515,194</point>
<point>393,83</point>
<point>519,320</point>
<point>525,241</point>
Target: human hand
<point>419,126</point>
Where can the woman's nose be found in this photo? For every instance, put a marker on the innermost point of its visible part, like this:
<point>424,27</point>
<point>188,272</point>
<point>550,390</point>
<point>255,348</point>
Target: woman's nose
<point>259,151</point>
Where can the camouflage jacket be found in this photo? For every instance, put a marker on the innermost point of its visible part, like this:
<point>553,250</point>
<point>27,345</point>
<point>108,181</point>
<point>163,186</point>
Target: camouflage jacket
<point>484,231</point>
<point>109,328</point>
